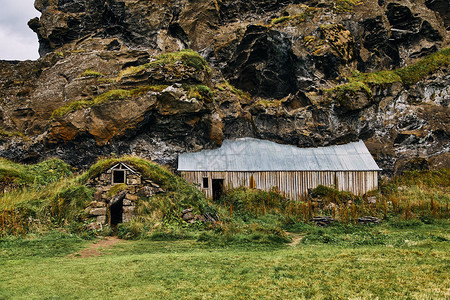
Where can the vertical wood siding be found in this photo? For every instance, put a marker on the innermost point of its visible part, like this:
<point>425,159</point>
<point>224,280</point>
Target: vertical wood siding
<point>292,184</point>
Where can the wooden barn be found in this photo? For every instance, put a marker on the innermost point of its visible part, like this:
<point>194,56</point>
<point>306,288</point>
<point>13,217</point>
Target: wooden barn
<point>266,165</point>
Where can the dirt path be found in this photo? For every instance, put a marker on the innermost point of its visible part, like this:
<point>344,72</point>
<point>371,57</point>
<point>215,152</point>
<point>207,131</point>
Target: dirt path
<point>93,250</point>
<point>296,238</point>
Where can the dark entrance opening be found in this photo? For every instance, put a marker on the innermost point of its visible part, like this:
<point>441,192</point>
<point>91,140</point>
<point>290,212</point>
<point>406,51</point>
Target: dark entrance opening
<point>116,211</point>
<point>118,176</point>
<point>217,188</point>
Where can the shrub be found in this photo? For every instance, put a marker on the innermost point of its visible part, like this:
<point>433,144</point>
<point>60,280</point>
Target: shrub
<point>333,195</point>
<point>244,200</point>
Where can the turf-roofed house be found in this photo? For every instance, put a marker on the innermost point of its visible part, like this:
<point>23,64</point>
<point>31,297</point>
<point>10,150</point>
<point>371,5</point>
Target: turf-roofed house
<point>265,165</point>
<point>117,190</point>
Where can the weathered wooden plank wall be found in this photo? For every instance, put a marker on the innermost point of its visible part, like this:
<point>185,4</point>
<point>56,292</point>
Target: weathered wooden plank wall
<point>293,184</point>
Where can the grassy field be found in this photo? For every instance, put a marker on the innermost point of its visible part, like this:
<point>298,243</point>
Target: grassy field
<point>411,260</point>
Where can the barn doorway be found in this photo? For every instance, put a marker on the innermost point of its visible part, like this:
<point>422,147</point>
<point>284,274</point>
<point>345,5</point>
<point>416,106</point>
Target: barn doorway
<point>217,188</point>
<point>116,212</point>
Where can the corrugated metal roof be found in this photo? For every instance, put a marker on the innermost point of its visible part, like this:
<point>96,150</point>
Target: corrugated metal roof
<point>249,154</point>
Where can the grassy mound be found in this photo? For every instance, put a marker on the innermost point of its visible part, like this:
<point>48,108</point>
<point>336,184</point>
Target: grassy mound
<point>19,175</point>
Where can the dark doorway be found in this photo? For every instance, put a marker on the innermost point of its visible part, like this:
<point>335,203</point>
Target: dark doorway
<point>118,176</point>
<point>116,211</point>
<point>217,188</point>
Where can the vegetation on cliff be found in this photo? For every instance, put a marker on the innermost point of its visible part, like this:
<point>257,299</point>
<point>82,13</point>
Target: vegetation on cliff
<point>347,5</point>
<point>110,95</point>
<point>186,57</point>
<point>298,18</point>
<point>407,75</point>
<point>170,62</point>
<point>9,134</point>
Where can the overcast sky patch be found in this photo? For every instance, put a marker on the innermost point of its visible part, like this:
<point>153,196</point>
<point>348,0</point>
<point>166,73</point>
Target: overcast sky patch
<point>17,40</point>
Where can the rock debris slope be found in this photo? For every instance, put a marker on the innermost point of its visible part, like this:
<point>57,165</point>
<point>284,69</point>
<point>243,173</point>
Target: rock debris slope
<point>156,78</point>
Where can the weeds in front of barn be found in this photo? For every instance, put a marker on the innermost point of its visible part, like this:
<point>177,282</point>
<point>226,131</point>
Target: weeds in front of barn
<point>414,195</point>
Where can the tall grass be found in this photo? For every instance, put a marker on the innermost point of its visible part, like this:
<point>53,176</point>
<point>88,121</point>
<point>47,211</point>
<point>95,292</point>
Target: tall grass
<point>414,195</point>
<point>41,174</point>
<point>48,195</point>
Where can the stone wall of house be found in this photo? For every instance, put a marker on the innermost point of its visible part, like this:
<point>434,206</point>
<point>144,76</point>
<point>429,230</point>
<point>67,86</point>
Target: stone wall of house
<point>106,194</point>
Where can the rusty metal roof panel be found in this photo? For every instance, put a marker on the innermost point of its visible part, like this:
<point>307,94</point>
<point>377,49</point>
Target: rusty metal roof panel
<point>249,154</point>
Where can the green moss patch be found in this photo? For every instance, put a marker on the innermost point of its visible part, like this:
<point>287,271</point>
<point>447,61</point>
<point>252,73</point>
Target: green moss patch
<point>376,77</point>
<point>408,75</point>
<point>187,57</point>
<point>309,11</point>
<point>347,5</point>
<point>116,189</point>
<point>200,92</point>
<point>346,93</point>
<point>111,95</point>
<point>226,86</point>
<point>428,65</point>
<point>6,133</point>
<point>91,73</point>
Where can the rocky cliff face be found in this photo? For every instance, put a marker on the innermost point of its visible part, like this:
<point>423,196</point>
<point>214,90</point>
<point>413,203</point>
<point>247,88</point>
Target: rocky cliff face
<point>156,78</point>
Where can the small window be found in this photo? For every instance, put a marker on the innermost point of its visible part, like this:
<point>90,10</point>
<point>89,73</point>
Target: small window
<point>118,176</point>
<point>205,183</point>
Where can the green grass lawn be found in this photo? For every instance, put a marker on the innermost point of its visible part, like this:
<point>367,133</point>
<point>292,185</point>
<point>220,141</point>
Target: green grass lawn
<point>414,262</point>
